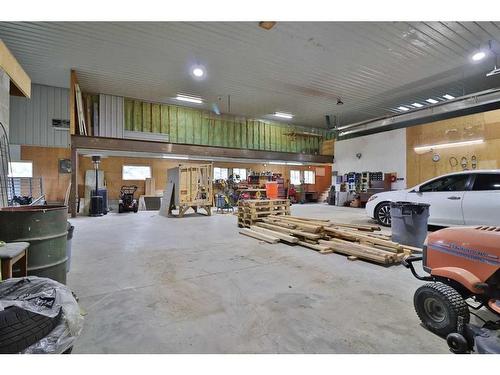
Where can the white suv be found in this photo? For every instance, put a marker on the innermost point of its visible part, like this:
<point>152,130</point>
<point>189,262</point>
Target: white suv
<point>461,198</point>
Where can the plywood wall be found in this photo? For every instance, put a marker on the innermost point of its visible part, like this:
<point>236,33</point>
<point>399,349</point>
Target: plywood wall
<point>486,125</point>
<point>112,168</point>
<point>46,164</point>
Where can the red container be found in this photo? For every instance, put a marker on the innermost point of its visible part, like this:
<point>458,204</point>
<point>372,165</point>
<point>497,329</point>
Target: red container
<point>272,190</point>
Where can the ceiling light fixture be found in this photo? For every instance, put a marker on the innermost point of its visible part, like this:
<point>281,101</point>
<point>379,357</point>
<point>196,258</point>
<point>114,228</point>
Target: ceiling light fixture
<point>495,70</point>
<point>432,101</point>
<point>198,72</point>
<point>479,55</point>
<point>189,99</point>
<point>175,157</point>
<point>277,163</point>
<point>401,108</point>
<point>283,115</point>
<point>417,105</point>
<point>422,149</point>
<point>448,96</point>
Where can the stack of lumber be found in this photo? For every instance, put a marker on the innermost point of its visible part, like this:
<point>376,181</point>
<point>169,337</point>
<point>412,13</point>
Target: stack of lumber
<point>356,241</point>
<point>251,211</point>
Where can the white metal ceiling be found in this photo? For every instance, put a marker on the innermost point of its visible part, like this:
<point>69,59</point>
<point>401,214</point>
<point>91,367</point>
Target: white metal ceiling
<point>297,67</point>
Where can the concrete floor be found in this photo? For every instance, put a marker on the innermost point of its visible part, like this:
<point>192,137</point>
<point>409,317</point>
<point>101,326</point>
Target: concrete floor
<point>151,284</point>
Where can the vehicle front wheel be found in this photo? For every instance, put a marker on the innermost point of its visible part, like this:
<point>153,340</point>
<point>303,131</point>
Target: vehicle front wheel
<point>439,307</point>
<point>383,214</point>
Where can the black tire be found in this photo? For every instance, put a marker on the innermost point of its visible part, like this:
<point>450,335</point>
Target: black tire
<point>136,208</point>
<point>120,208</point>
<point>383,214</point>
<point>20,328</point>
<point>439,306</point>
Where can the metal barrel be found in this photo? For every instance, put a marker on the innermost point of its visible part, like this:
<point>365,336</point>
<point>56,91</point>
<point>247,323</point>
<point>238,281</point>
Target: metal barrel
<point>45,228</point>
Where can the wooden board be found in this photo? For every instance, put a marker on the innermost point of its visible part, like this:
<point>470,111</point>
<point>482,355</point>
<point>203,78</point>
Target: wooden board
<point>281,236</point>
<point>259,236</point>
<point>15,71</point>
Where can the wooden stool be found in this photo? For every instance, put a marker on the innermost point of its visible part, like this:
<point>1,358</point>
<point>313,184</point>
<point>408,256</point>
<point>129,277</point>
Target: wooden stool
<point>12,253</point>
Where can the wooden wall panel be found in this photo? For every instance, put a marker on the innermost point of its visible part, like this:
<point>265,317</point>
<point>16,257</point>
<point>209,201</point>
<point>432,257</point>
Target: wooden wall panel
<point>46,165</point>
<point>421,167</point>
<point>112,167</point>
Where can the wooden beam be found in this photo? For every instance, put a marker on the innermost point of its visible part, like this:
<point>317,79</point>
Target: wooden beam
<point>73,80</point>
<point>17,75</point>
<point>73,196</point>
<point>127,145</point>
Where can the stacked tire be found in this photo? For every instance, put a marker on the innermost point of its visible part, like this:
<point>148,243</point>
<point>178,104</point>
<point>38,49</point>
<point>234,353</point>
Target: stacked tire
<point>20,328</point>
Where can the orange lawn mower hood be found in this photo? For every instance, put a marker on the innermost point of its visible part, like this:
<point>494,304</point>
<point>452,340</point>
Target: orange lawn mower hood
<point>463,263</point>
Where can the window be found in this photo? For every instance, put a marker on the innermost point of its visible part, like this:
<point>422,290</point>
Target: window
<point>242,172</point>
<point>136,172</point>
<point>487,181</point>
<point>448,183</point>
<point>295,177</point>
<point>21,169</point>
<point>309,177</point>
<point>220,173</point>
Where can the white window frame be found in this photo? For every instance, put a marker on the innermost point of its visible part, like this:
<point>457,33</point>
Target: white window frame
<point>19,169</point>
<point>293,179</point>
<point>143,178</point>
<point>221,173</point>
<point>308,180</point>
<point>238,172</point>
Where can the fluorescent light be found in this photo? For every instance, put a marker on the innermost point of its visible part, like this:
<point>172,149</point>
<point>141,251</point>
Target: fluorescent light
<point>190,99</point>
<point>448,96</point>
<point>175,157</point>
<point>478,56</point>
<point>285,163</point>
<point>432,101</point>
<point>421,149</point>
<point>417,105</point>
<point>283,115</point>
<point>403,108</point>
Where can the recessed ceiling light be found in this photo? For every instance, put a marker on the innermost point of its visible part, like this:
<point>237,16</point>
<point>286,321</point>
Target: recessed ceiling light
<point>478,56</point>
<point>198,71</point>
<point>448,96</point>
<point>417,105</point>
<point>432,101</point>
<point>403,108</point>
<point>190,99</point>
<point>283,115</point>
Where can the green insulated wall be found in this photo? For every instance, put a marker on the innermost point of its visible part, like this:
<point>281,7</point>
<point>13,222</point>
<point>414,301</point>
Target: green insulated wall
<point>186,125</point>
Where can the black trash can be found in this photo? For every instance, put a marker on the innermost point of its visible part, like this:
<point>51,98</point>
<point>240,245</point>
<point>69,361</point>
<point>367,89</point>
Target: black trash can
<point>409,223</point>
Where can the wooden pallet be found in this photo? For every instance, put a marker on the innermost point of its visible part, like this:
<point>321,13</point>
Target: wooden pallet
<point>355,241</point>
<point>253,211</point>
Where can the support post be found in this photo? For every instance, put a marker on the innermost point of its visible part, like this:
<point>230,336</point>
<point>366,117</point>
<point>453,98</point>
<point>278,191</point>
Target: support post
<point>74,181</point>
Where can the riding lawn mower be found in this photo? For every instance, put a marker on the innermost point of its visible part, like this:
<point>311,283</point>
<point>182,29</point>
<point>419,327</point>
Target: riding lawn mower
<point>127,202</point>
<point>464,275</point>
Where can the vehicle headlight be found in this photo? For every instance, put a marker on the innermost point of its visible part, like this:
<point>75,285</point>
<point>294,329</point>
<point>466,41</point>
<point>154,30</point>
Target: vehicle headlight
<point>372,198</point>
